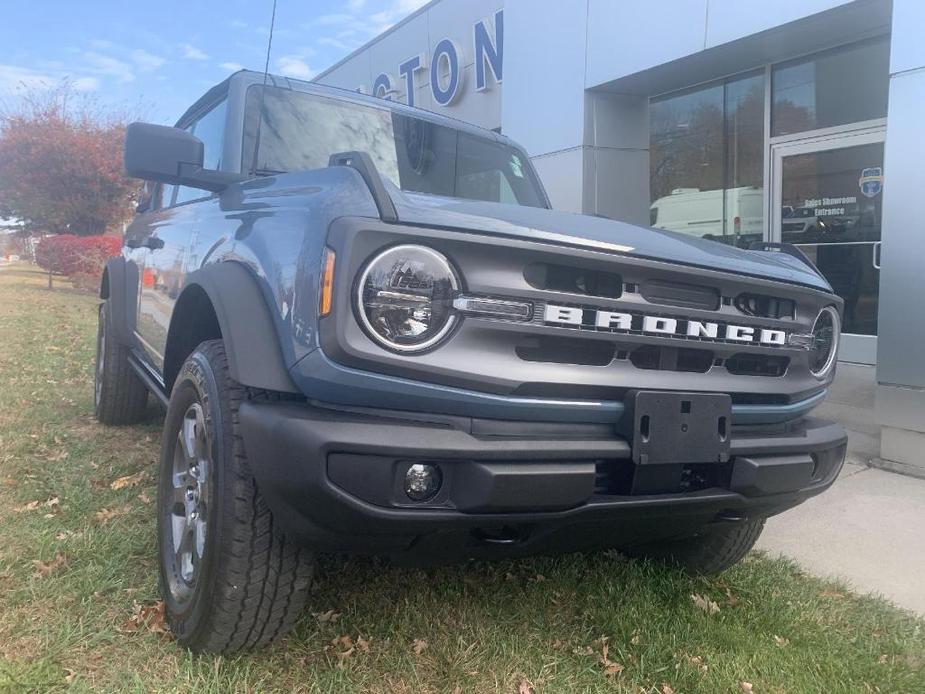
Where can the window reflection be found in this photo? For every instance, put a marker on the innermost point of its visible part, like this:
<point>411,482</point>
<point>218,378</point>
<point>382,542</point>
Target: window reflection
<point>845,85</point>
<point>707,161</point>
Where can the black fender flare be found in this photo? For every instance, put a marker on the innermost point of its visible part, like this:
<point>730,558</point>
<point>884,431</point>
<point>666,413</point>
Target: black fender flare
<point>119,286</point>
<point>255,357</point>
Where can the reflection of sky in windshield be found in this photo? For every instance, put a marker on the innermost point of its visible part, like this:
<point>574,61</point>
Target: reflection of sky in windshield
<point>322,127</point>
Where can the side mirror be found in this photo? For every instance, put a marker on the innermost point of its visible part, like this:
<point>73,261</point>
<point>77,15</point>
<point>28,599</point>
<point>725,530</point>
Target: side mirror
<point>170,155</point>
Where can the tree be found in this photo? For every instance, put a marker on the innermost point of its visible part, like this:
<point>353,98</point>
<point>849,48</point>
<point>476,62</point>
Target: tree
<point>61,165</point>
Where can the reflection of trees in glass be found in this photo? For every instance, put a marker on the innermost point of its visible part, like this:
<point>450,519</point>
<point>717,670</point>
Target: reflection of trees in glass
<point>710,139</point>
<point>686,144</point>
<point>789,117</point>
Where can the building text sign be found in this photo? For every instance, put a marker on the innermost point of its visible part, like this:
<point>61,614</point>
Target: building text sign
<point>445,66</point>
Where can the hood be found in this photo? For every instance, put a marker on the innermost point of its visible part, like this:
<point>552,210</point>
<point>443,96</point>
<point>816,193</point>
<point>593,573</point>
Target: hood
<point>600,234</point>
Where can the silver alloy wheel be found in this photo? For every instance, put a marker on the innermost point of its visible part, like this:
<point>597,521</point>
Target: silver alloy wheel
<point>100,358</point>
<point>192,465</point>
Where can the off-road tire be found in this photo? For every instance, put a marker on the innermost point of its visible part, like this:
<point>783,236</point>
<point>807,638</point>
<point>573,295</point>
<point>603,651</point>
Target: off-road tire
<point>119,396</point>
<point>252,582</point>
<point>712,551</point>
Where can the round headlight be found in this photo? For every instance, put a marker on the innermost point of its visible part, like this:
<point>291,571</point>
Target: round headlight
<point>826,331</point>
<point>405,298</point>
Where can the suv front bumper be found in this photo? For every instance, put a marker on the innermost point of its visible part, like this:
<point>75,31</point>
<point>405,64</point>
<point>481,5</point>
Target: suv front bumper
<point>334,480</point>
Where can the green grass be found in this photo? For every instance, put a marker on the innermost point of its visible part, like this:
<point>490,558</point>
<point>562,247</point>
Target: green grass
<point>487,627</point>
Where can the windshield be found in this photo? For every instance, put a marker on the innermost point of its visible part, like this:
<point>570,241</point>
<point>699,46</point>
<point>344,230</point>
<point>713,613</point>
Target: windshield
<point>301,131</point>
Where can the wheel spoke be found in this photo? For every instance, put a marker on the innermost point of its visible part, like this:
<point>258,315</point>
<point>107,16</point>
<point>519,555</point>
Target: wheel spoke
<point>188,438</point>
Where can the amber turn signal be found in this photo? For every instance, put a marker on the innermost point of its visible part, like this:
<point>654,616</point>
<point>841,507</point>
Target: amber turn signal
<point>327,283</point>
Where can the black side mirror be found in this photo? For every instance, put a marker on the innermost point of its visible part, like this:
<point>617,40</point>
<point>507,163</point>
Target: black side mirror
<point>170,155</point>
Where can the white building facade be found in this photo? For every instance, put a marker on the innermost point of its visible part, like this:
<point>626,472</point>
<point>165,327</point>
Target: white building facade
<point>797,121</point>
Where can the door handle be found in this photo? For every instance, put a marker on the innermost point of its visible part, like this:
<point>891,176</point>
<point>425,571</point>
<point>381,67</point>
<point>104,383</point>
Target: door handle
<point>875,255</point>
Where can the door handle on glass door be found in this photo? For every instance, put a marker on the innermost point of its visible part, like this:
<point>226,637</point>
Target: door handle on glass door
<point>875,255</point>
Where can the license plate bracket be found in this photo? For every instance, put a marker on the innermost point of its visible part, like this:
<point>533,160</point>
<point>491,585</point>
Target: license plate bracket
<point>671,427</point>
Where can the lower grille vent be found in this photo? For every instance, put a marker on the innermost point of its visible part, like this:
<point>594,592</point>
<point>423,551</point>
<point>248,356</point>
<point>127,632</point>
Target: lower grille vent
<point>757,365</point>
<point>672,359</point>
<point>563,350</point>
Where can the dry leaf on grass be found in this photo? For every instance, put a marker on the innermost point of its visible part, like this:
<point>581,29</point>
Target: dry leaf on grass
<point>829,593</point>
<point>525,687</point>
<point>150,616</point>
<point>341,646</point>
<point>418,646</point>
<point>781,641</point>
<point>667,688</point>
<point>144,498</point>
<point>704,603</point>
<point>43,569</point>
<point>326,617</point>
<point>746,687</point>
<point>128,481</point>
<point>105,514</point>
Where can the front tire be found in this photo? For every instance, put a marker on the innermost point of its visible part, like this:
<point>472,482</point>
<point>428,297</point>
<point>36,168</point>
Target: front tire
<point>119,396</point>
<point>712,551</point>
<point>229,577</point>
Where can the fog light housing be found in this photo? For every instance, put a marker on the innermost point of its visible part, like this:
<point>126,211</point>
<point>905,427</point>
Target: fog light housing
<point>422,481</point>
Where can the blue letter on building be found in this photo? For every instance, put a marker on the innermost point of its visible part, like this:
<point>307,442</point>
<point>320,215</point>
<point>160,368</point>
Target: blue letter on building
<point>486,51</point>
<point>445,49</point>
<point>382,86</point>
<point>407,70</point>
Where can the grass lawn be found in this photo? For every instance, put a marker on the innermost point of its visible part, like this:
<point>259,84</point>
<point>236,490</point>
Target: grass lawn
<point>78,585</point>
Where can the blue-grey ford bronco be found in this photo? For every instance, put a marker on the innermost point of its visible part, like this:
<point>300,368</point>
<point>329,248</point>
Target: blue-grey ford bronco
<point>372,335</point>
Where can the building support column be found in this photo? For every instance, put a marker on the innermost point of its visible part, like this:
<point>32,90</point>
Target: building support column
<point>901,331</point>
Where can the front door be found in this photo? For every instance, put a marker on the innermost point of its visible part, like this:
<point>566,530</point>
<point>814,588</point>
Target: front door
<point>827,199</point>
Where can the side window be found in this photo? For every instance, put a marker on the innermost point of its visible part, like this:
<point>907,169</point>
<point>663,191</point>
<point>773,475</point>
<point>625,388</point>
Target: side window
<point>210,128</point>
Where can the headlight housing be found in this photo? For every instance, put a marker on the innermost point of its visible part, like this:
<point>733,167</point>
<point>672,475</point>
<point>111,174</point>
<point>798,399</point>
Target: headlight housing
<point>824,350</point>
<point>405,298</point>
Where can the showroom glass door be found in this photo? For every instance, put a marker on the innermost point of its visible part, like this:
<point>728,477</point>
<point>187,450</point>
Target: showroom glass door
<point>827,199</point>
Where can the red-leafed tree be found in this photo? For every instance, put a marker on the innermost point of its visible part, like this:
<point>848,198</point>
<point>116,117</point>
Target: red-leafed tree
<point>61,165</point>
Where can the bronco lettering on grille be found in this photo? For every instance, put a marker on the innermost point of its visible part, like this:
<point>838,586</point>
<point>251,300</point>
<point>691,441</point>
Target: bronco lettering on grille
<point>660,325</point>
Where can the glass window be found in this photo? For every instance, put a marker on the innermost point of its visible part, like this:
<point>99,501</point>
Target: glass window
<point>707,161</point>
<point>210,129</point>
<point>300,131</point>
<point>831,207</point>
<point>845,85</point>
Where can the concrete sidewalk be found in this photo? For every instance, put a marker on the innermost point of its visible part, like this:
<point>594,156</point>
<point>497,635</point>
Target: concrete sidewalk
<point>869,528</point>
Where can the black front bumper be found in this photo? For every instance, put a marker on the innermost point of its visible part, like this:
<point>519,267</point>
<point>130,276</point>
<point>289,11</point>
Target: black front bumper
<point>334,480</point>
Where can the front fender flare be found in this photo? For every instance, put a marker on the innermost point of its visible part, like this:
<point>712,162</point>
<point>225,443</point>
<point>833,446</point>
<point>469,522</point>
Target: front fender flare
<point>252,343</point>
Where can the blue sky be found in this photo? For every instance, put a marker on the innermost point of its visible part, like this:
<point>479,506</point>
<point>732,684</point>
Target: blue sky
<point>159,57</point>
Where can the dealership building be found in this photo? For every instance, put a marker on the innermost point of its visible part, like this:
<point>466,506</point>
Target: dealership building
<point>797,121</point>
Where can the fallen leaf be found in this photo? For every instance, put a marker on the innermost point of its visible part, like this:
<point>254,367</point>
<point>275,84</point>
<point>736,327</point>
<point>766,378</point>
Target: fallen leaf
<point>144,498</point>
<point>363,644</point>
<point>883,659</point>
<point>43,569</point>
<point>31,506</point>
<point>745,686</point>
<point>781,641</point>
<point>128,481</point>
<point>635,638</point>
<point>151,616</point>
<point>326,617</point>
<point>525,687</point>
<point>105,514</point>
<point>731,599</point>
<point>419,646</point>
<point>69,676</point>
<point>667,688</point>
<point>610,667</point>
<point>342,647</point>
<point>834,594</point>
<point>704,603</point>
<point>53,503</point>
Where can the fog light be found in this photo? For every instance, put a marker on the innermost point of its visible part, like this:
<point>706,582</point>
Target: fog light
<point>422,482</point>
